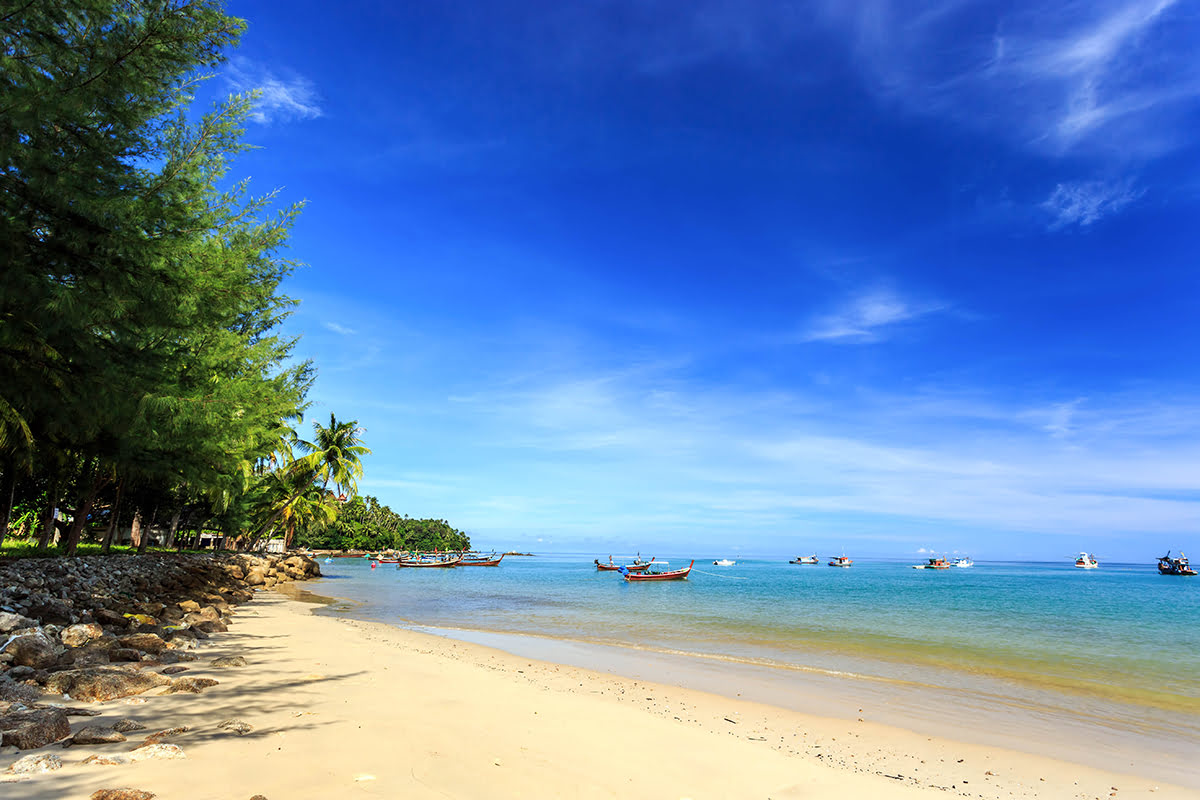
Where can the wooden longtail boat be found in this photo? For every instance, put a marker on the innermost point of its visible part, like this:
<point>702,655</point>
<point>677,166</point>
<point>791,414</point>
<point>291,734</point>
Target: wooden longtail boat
<point>637,566</point>
<point>481,562</point>
<point>673,575</point>
<point>444,562</point>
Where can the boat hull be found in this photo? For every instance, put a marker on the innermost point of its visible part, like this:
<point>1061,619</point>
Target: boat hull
<point>674,575</point>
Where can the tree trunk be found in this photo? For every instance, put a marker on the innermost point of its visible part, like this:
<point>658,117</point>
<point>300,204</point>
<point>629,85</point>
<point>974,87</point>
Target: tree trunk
<point>145,542</point>
<point>113,520</point>
<point>92,480</point>
<point>174,527</point>
<point>48,518</point>
<point>10,480</point>
<point>135,529</point>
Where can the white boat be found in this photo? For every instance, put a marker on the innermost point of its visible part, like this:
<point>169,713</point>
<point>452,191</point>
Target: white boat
<point>1086,561</point>
<point>805,560</point>
<point>965,561</point>
<point>723,562</point>
<point>840,561</point>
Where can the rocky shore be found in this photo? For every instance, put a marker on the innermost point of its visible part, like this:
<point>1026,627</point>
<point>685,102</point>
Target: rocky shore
<point>100,628</point>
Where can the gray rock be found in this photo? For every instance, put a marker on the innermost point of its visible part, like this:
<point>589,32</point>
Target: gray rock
<point>124,654</point>
<point>126,725</point>
<point>174,670</point>
<point>27,730</point>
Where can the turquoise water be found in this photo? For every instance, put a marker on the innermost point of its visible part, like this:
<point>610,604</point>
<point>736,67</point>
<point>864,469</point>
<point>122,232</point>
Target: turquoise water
<point>1119,646</point>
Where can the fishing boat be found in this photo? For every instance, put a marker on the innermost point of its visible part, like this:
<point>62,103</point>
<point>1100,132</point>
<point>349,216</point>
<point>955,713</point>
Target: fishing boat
<point>805,560</point>
<point>670,575</point>
<point>1086,561</point>
<point>452,561</point>
<point>1174,566</point>
<point>481,561</point>
<point>934,563</point>
<point>637,566</point>
<point>964,562</point>
<point>840,561</point>
<point>723,562</point>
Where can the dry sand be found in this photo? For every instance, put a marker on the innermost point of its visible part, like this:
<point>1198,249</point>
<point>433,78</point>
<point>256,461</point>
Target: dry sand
<point>343,708</point>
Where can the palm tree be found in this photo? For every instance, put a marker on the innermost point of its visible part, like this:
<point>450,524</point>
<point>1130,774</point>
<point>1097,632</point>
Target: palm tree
<point>336,455</point>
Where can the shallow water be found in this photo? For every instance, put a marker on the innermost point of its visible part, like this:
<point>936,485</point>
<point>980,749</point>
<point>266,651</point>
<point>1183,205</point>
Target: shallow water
<point>1113,652</point>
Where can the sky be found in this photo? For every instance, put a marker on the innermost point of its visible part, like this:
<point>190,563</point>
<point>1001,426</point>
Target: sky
<point>755,278</point>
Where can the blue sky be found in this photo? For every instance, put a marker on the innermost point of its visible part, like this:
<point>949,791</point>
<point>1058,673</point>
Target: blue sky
<point>744,277</point>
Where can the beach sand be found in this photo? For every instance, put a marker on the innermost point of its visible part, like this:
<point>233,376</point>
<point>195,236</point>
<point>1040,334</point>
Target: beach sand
<point>345,708</point>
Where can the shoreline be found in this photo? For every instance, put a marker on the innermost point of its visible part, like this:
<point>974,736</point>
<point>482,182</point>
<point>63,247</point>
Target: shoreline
<point>340,704</point>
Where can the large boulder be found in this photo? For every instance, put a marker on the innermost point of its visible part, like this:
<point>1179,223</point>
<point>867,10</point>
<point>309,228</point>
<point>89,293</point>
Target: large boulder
<point>97,684</point>
<point>27,730</point>
<point>35,763</point>
<point>256,576</point>
<point>33,650</point>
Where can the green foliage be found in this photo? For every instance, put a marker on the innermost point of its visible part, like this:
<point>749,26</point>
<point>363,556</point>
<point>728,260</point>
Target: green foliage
<point>365,524</point>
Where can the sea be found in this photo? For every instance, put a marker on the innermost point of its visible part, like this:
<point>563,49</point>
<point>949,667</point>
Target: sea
<point>1092,666</point>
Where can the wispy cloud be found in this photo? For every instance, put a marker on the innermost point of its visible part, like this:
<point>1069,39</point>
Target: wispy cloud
<point>339,329</point>
<point>1085,202</point>
<point>866,318</point>
<point>1114,76</point>
<point>279,99</point>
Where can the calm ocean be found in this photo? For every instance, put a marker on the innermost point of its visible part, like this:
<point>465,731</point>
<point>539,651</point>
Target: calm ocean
<point>1117,648</point>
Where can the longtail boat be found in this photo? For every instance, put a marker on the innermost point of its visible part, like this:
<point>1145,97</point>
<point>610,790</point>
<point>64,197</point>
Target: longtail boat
<point>441,562</point>
<point>673,575</point>
<point>483,561</point>
<point>1174,566</point>
<point>636,566</point>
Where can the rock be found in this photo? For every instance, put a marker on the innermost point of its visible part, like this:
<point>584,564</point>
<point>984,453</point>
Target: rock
<point>189,606</point>
<point>169,733</point>
<point>175,670</point>
<point>156,751</point>
<point>105,761</point>
<point>211,627</point>
<point>121,794</point>
<point>98,683</point>
<point>51,611</point>
<point>27,730</point>
<point>256,577</point>
<point>95,734</point>
<point>81,634</point>
<point>193,685</point>
<point>206,614</point>
<point>111,618</point>
<point>229,661</point>
<point>33,764</point>
<point>258,797</point>
<point>21,673</point>
<point>141,620</point>
<point>124,654</point>
<point>126,725</point>
<point>236,726</point>
<point>149,642</point>
<point>10,622</point>
<point>33,650</point>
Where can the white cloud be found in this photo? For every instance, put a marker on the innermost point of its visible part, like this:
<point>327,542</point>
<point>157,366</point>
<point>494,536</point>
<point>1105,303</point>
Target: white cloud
<point>1111,76</point>
<point>865,318</point>
<point>1084,202</point>
<point>339,329</point>
<point>279,100</point>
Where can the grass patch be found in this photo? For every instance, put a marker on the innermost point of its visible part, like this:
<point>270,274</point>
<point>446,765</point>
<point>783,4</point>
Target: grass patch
<point>24,548</point>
